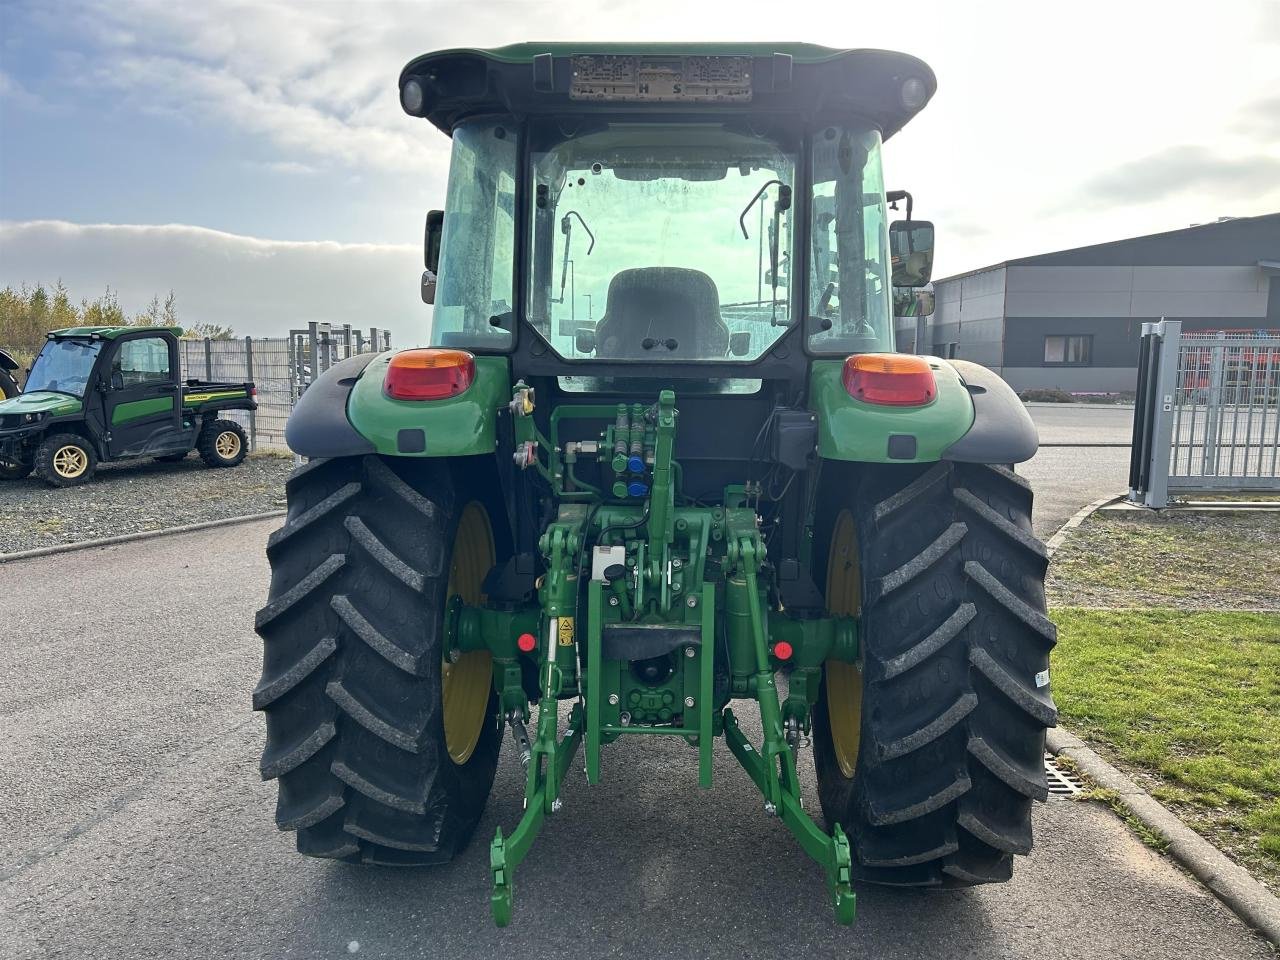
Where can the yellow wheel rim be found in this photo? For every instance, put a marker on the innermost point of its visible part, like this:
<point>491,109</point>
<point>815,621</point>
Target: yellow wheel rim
<point>70,462</point>
<point>466,683</point>
<point>844,680</point>
<point>227,444</point>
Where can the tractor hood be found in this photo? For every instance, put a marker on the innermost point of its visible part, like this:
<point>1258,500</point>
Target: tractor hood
<point>42,401</point>
<point>674,79</point>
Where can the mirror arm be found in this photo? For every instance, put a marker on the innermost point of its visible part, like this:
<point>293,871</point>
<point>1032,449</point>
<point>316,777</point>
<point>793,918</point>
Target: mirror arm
<point>893,196</point>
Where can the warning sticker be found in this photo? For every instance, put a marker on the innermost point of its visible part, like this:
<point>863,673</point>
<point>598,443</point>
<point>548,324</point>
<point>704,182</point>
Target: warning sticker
<point>566,631</point>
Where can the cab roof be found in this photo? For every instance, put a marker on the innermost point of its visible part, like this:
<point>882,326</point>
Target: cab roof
<point>106,333</point>
<point>798,79</point>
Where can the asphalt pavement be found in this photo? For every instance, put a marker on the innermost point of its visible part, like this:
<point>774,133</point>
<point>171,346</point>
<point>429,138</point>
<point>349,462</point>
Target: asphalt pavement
<point>1066,478</point>
<point>133,822</point>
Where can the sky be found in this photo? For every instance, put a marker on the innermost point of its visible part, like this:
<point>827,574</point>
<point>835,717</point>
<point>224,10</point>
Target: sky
<point>254,159</point>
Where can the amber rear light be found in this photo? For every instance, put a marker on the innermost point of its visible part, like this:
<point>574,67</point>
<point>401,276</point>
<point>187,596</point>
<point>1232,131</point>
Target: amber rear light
<point>431,374</point>
<point>889,379</point>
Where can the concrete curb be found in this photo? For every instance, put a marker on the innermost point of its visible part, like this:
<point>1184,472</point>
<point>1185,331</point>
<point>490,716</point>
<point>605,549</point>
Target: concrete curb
<point>1076,519</point>
<point>133,537</point>
<point>1245,896</point>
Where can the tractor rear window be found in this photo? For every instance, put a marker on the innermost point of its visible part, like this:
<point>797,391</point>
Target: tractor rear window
<point>661,242</point>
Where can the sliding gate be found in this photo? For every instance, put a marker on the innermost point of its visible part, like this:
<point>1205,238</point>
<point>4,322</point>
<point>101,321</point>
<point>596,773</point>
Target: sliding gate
<point>1207,416</point>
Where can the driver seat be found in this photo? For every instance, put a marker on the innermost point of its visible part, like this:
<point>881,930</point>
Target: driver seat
<point>661,304</point>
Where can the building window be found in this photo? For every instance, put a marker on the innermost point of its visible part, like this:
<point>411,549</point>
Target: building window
<point>1075,350</point>
<point>949,350</point>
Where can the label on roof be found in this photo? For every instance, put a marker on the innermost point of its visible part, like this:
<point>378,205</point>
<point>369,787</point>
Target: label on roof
<point>661,79</point>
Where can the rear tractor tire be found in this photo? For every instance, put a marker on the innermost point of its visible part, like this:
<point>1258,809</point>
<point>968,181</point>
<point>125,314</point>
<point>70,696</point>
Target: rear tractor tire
<point>222,443</point>
<point>930,752</point>
<point>384,752</point>
<point>65,460</point>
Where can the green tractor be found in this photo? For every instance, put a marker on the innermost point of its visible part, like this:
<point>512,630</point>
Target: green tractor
<point>661,475</point>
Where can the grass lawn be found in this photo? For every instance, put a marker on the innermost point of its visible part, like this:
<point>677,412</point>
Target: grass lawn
<point>1190,703</point>
<point>1196,561</point>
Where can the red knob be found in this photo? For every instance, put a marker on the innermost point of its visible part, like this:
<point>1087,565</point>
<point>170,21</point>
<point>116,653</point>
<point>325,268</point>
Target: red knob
<point>782,650</point>
<point>526,642</point>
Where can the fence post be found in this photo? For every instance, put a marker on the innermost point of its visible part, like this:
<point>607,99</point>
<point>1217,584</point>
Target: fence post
<point>248,370</point>
<point>1162,431</point>
<point>208,359</point>
<point>1213,407</point>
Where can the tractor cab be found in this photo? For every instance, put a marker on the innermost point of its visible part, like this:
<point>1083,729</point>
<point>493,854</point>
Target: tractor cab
<point>719,211</point>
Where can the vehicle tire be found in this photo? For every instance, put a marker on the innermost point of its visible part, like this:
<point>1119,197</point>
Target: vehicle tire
<point>15,470</point>
<point>384,754</point>
<point>173,457</point>
<point>931,753</point>
<point>65,460</point>
<point>222,443</point>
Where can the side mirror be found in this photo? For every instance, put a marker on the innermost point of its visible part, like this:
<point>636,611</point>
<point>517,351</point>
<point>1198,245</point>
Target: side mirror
<point>584,340</point>
<point>431,240</point>
<point>431,254</point>
<point>740,343</point>
<point>911,248</point>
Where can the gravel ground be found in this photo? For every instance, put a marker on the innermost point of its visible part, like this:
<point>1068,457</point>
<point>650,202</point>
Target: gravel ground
<point>1189,561</point>
<point>137,495</point>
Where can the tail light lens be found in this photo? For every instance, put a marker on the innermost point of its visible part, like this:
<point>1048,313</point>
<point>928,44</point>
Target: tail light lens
<point>432,374</point>
<point>889,379</point>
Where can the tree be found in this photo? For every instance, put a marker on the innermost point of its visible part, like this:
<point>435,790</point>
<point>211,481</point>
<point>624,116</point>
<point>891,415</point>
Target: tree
<point>207,331</point>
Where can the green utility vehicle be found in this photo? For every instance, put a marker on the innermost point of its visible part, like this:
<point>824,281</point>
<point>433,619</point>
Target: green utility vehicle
<point>8,376</point>
<point>96,394</point>
<point>658,462</point>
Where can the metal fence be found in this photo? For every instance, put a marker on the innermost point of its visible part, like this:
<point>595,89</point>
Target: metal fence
<point>1207,415</point>
<point>281,368</point>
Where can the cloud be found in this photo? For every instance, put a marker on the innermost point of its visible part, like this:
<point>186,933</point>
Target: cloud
<point>16,94</point>
<point>282,166</point>
<point>1260,119</point>
<point>1183,170</point>
<point>258,287</point>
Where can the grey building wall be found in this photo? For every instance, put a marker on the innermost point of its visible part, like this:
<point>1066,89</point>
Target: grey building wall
<point>970,314</point>
<point>1209,277</point>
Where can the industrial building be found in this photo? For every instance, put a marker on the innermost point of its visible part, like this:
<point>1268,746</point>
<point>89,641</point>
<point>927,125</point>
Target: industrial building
<point>1071,320</point>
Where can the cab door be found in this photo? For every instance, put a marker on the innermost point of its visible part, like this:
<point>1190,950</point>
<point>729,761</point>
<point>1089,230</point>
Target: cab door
<point>143,395</point>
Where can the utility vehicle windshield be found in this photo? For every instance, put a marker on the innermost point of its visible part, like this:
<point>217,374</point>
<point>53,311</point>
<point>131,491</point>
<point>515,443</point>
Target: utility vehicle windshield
<point>63,366</point>
<point>659,242</point>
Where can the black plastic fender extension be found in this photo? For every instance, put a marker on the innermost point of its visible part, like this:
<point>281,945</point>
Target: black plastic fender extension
<point>1002,430</point>
<point>318,426</point>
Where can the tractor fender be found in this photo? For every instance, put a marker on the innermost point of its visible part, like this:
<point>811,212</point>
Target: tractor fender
<point>459,426</point>
<point>1002,431</point>
<point>318,426</point>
